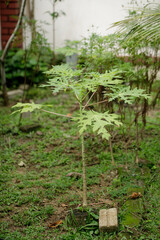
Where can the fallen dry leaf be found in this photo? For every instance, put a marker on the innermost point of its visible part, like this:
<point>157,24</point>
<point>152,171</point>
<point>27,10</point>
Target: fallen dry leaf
<point>69,114</point>
<point>63,205</point>
<point>17,181</point>
<point>106,201</point>
<point>135,195</point>
<point>21,164</point>
<point>56,224</point>
<point>39,133</point>
<point>74,174</point>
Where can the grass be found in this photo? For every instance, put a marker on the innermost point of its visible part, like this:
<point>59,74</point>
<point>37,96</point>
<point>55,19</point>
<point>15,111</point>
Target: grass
<point>37,195</point>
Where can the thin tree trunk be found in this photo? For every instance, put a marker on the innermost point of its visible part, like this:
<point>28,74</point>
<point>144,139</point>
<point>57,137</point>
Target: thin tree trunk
<point>144,112</point>
<point>126,151</point>
<point>33,21</point>
<point>54,36</point>
<point>84,173</point>
<point>24,90</point>
<point>2,60</point>
<point>111,150</point>
<point>137,142</point>
<point>155,99</point>
<point>126,163</point>
<point>83,166</point>
<point>4,86</point>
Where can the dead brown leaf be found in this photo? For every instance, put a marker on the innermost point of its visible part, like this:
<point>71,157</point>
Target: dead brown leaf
<point>63,205</point>
<point>69,114</point>
<point>56,224</point>
<point>135,195</point>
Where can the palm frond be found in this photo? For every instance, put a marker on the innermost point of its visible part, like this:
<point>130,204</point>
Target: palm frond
<point>144,25</point>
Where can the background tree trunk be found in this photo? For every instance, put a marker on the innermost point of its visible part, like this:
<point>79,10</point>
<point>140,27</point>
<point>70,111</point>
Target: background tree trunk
<point>31,22</point>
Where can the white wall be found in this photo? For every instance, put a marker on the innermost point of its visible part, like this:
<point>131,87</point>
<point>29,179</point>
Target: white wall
<point>81,15</point>
<point>44,21</point>
<point>42,9</point>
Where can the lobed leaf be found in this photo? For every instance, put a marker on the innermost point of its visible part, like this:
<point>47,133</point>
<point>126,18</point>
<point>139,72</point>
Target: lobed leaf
<point>126,94</point>
<point>26,107</point>
<point>62,78</point>
<point>98,122</point>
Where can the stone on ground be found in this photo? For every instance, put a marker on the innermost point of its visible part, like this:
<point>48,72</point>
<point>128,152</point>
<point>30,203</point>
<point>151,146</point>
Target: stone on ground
<point>74,174</point>
<point>108,220</point>
<point>24,87</point>
<point>15,93</point>
<point>30,127</point>
<point>21,164</point>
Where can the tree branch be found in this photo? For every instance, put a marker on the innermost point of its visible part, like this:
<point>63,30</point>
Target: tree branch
<point>89,100</point>
<point>58,114</point>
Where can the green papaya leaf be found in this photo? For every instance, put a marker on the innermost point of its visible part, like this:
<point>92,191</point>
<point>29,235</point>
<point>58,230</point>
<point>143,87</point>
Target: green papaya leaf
<point>26,107</point>
<point>97,121</point>
<point>127,95</point>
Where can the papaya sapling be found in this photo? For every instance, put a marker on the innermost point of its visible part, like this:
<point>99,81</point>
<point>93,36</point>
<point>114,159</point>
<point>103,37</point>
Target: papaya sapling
<point>81,84</point>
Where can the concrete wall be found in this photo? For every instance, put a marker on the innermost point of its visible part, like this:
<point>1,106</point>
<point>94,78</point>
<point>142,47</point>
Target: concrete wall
<point>84,15</point>
<point>81,16</point>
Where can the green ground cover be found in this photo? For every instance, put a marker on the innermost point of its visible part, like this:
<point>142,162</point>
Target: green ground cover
<point>36,196</point>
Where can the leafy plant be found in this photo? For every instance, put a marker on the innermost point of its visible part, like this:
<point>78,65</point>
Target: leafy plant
<point>98,121</point>
<point>81,84</point>
<point>127,95</point>
<point>17,68</point>
<point>71,47</point>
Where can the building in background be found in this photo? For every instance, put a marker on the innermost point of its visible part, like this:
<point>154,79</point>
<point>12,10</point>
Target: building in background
<point>9,11</point>
<point>80,19</point>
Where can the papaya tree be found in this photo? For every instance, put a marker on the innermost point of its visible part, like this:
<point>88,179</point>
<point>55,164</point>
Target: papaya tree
<point>83,86</point>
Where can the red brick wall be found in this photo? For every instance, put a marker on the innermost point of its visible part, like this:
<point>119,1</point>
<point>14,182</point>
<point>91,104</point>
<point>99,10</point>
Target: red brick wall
<point>9,10</point>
